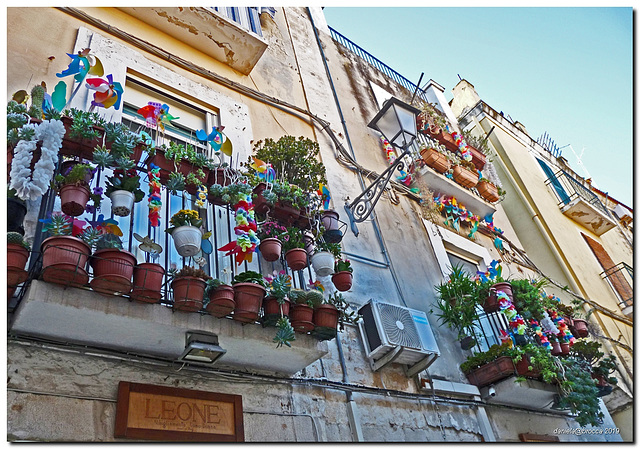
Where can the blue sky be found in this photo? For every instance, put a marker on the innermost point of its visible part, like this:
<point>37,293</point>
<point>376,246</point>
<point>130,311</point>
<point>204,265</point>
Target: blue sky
<point>564,71</point>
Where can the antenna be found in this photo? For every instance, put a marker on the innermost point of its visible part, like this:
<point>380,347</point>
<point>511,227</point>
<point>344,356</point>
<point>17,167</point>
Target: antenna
<point>580,163</point>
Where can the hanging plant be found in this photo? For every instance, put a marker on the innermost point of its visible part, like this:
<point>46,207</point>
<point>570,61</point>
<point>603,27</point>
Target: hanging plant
<point>32,185</point>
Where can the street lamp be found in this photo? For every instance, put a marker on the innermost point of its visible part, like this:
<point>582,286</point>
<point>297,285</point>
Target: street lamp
<point>396,121</point>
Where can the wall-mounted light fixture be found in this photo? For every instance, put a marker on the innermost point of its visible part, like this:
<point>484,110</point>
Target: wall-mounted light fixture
<point>397,123</point>
<point>202,347</point>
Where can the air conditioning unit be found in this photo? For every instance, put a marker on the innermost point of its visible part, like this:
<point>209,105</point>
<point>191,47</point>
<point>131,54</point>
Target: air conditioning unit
<point>396,334</point>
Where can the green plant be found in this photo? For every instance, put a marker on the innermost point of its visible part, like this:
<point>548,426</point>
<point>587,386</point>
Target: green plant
<point>527,297</point>
<point>590,352</point>
<point>334,248</point>
<point>123,140</point>
<point>298,296</point>
<point>125,177</point>
<point>315,298</point>
<point>189,271</point>
<point>184,217</point>
<point>234,193</point>
<point>343,265</point>
<point>83,124</point>
<point>433,115</point>
<point>295,161</point>
<point>109,241</point>
<point>580,393</point>
<point>457,302</point>
<point>344,314</point>
<point>285,333</point>
<point>279,287</point>
<point>176,182</point>
<point>57,224</point>
<point>75,175</point>
<point>540,360</point>
<point>292,239</point>
<point>16,238</point>
<point>249,276</point>
<point>478,143</point>
<point>271,230</point>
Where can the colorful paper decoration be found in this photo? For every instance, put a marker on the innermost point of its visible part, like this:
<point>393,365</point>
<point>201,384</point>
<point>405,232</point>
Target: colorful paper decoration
<point>202,196</point>
<point>247,241</point>
<point>316,285</point>
<point>456,213</point>
<point>325,195</point>
<point>107,93</point>
<point>155,200</point>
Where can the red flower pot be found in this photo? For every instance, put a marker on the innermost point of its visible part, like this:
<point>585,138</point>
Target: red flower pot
<point>260,205</point>
<point>270,249</point>
<point>271,310</point>
<point>221,302</point>
<point>74,199</point>
<point>565,348</point>
<point>522,368</point>
<point>147,282</point>
<point>302,318</point>
<point>466,178</point>
<point>17,256</point>
<point>579,328</point>
<point>492,372</point>
<point>556,349</point>
<point>326,316</point>
<point>64,260</point>
<point>112,270</point>
<point>435,160</point>
<point>188,293</point>
<point>285,214</point>
<point>296,258</point>
<point>248,297</point>
<point>83,148</point>
<point>342,280</point>
<point>492,304</point>
<point>219,176</point>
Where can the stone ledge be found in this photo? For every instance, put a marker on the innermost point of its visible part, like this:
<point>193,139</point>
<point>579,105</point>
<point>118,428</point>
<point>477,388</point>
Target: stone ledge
<point>84,317</point>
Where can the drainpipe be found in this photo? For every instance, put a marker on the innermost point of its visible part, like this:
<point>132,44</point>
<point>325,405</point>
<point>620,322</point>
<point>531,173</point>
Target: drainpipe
<point>535,217</point>
<point>374,221</point>
<point>352,408</point>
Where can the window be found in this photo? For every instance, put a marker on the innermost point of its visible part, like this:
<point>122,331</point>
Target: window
<point>555,182</point>
<point>247,17</point>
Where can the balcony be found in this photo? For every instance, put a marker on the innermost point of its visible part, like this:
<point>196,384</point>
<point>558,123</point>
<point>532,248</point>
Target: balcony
<point>580,204</point>
<point>620,279</point>
<point>225,39</point>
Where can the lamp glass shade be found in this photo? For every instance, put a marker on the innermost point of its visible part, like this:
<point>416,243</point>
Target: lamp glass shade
<point>397,122</point>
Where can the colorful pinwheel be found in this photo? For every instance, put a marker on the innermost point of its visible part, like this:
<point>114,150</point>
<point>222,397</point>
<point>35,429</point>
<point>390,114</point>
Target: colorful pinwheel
<point>107,93</point>
<point>264,170</point>
<point>107,226</point>
<point>325,195</point>
<point>156,114</point>
<point>317,285</point>
<point>57,100</point>
<point>82,64</point>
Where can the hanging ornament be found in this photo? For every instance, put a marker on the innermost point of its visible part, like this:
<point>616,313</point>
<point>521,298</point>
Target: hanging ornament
<point>247,240</point>
<point>155,200</point>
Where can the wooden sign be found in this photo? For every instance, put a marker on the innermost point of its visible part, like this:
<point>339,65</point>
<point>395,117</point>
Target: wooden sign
<point>152,412</point>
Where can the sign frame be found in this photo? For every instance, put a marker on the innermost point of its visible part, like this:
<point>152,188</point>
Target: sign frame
<point>123,430</point>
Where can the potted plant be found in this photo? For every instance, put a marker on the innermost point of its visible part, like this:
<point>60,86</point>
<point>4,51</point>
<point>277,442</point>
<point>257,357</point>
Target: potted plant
<point>73,188</point>
<point>478,148</point>
<point>270,234</point>
<point>188,287</point>
<point>435,158</point>
<point>601,367</point>
<point>302,310</point>
<point>84,131</point>
<point>249,290</point>
<point>331,224</point>
<point>324,257</point>
<point>465,173</point>
<point>186,232</point>
<point>486,368</point>
<point>17,255</point>
<point>488,190</point>
<point>332,314</point>
<point>112,266</point>
<point>16,210</point>
<point>486,293</point>
<point>276,309</point>
<point>64,255</point>
<point>220,298</point>
<point>293,245</point>
<point>577,325</point>
<point>147,282</point>
<point>343,276</point>
<point>535,362</point>
<point>580,394</point>
<point>457,305</point>
<point>527,298</point>
<point>123,187</point>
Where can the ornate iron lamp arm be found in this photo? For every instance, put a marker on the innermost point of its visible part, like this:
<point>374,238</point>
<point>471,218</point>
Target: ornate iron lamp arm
<point>362,206</point>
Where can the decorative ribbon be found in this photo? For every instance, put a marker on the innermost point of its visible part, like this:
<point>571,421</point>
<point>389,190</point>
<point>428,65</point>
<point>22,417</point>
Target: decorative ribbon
<point>155,200</point>
<point>245,245</point>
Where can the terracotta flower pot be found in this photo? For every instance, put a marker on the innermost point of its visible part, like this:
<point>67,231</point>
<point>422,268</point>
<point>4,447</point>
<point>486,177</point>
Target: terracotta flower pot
<point>579,328</point>
<point>342,280</point>
<point>112,270</point>
<point>285,214</point>
<point>479,159</point>
<point>467,342</point>
<point>492,372</point>
<point>492,304</point>
<point>325,315</point>
<point>565,348</point>
<point>147,282</point>
<point>270,249</point>
<point>248,297</point>
<point>435,160</point>
<point>487,191</point>
<point>74,199</point>
<point>271,310</point>
<point>64,260</point>
<point>302,318</point>
<point>296,258</point>
<point>17,256</point>
<point>260,205</point>
<point>309,242</point>
<point>188,293</point>
<point>522,368</point>
<point>221,302</point>
<point>466,178</point>
<point>556,349</point>
<point>219,176</point>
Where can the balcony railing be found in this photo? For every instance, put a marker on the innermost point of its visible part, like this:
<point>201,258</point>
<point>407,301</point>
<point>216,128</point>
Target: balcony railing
<point>620,278</point>
<point>376,63</point>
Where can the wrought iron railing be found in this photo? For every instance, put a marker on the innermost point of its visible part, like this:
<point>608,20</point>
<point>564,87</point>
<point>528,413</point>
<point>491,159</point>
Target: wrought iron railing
<point>376,63</point>
<point>568,188</point>
<point>620,279</point>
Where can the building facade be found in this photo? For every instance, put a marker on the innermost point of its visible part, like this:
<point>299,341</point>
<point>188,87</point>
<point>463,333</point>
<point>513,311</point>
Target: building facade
<point>265,73</point>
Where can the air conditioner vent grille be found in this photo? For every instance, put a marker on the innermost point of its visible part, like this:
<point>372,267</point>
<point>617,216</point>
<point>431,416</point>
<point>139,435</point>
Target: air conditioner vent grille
<point>399,327</point>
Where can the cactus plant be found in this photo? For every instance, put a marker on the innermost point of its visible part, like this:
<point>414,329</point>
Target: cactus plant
<point>16,238</point>
<point>37,97</point>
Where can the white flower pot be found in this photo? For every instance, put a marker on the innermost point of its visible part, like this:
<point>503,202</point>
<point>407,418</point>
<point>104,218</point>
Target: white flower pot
<point>122,202</point>
<point>187,240</point>
<point>322,263</point>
